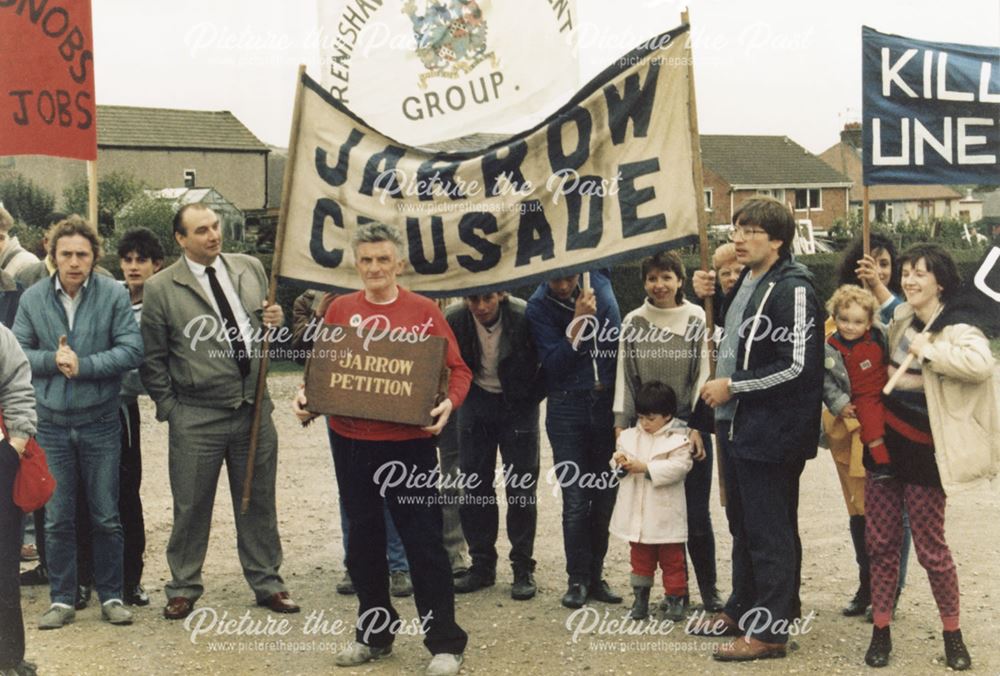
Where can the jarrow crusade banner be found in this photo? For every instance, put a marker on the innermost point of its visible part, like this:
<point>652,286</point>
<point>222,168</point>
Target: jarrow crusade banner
<point>931,111</point>
<point>606,178</point>
<point>456,66</point>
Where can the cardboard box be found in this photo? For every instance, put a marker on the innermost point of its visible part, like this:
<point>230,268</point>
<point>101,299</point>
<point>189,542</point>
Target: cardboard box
<point>357,375</point>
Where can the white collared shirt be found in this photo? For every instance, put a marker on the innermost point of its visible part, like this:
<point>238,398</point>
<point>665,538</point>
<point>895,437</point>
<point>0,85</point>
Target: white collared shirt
<point>222,274</point>
<point>70,303</point>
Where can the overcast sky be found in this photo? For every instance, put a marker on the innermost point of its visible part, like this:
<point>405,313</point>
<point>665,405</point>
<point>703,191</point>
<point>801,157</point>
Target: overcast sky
<point>776,67</point>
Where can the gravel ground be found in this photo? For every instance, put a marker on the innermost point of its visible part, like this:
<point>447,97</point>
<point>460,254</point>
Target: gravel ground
<point>506,637</point>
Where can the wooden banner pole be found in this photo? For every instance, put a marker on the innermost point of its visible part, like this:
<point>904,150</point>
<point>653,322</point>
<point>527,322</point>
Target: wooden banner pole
<point>92,193</point>
<point>699,186</point>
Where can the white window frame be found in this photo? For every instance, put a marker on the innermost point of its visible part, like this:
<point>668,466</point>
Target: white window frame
<point>809,205</point>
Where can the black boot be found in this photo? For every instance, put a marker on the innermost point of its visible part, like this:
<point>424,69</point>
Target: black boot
<point>711,601</point>
<point>955,653</point>
<point>640,608</point>
<point>880,647</point>
<point>863,597</point>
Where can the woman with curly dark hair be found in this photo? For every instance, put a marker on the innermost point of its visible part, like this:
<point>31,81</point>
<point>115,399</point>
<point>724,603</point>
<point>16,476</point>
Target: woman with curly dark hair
<point>878,271</point>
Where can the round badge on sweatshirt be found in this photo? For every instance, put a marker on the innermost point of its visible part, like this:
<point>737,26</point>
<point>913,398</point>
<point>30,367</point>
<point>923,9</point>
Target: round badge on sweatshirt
<point>355,320</point>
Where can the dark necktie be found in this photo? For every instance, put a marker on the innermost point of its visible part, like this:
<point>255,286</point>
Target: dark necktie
<point>229,323</point>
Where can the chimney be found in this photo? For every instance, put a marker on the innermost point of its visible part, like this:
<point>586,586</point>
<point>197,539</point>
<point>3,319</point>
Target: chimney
<point>851,135</point>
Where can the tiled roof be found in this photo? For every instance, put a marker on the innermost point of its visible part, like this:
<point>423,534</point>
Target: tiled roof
<point>765,160</point>
<point>127,126</point>
<point>845,158</point>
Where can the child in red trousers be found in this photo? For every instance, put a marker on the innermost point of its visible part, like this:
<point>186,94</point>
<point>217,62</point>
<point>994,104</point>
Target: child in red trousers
<point>653,458</point>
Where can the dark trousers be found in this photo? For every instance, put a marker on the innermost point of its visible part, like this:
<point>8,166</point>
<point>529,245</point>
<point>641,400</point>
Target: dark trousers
<point>11,518</point>
<point>416,511</point>
<point>762,507</point>
<point>580,426</point>
<point>129,502</point>
<point>484,423</point>
<point>701,537</point>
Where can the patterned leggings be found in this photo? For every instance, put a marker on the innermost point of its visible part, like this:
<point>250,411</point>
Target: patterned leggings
<point>884,501</point>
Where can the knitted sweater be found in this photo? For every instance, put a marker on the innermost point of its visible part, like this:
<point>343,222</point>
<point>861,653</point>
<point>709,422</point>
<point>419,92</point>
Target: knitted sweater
<point>668,345</point>
<point>411,311</point>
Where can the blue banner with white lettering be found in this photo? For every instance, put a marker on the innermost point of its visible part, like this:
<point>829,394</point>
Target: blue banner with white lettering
<point>931,111</point>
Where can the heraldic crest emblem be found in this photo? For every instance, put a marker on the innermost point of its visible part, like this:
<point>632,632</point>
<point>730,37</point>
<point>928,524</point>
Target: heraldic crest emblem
<point>451,37</point>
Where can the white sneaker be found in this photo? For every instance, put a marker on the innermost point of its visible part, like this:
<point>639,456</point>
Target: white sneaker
<point>359,653</point>
<point>444,664</point>
<point>56,616</point>
<point>115,612</point>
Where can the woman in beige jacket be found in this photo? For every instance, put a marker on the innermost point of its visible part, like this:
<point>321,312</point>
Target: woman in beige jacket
<point>941,432</point>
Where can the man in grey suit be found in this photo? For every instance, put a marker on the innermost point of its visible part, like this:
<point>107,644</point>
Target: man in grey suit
<point>201,320</point>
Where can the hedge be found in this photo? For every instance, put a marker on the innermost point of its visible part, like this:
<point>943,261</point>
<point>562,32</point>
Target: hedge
<point>627,280</point>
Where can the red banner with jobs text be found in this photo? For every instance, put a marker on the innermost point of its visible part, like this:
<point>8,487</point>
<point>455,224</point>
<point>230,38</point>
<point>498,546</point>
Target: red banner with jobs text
<point>47,104</point>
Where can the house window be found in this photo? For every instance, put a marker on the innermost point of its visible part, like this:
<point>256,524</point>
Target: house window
<point>808,199</point>
<point>889,214</point>
<point>925,210</point>
<point>190,179</point>
<point>709,205</point>
<point>776,193</point>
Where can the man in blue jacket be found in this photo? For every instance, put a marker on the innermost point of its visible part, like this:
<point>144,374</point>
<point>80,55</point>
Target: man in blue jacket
<point>576,333</point>
<point>766,396</point>
<point>79,335</point>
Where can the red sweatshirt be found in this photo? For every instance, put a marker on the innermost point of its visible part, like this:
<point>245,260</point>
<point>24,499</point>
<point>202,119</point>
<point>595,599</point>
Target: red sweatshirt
<point>865,364</point>
<point>408,310</point>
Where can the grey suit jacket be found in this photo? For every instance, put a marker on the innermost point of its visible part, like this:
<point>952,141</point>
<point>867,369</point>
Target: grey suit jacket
<point>186,361</point>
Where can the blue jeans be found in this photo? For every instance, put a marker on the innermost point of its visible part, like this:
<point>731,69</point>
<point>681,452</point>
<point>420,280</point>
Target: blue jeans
<point>91,452</point>
<point>580,426</point>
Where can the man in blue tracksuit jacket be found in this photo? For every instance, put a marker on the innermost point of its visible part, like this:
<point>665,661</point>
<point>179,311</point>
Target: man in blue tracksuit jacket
<point>576,333</point>
<point>80,337</point>
<point>766,396</point>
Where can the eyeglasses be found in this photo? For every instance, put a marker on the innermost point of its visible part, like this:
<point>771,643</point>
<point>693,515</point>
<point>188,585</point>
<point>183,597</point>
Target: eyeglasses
<point>739,232</point>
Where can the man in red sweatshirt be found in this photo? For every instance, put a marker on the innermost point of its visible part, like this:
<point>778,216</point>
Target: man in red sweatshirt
<point>361,448</point>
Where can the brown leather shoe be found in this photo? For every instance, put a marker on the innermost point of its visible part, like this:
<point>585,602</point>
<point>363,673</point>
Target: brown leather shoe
<point>715,626</point>
<point>744,649</point>
<point>178,608</point>
<point>280,602</point>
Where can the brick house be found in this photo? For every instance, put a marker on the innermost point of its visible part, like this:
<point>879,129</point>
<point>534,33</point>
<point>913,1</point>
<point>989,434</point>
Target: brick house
<point>737,168</point>
<point>893,203</point>
<point>166,148</point>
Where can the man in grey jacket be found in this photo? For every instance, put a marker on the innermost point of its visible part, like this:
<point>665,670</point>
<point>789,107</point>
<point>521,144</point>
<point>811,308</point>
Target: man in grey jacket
<point>79,336</point>
<point>201,320</point>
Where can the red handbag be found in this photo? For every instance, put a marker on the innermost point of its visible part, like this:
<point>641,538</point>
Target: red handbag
<point>33,484</point>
